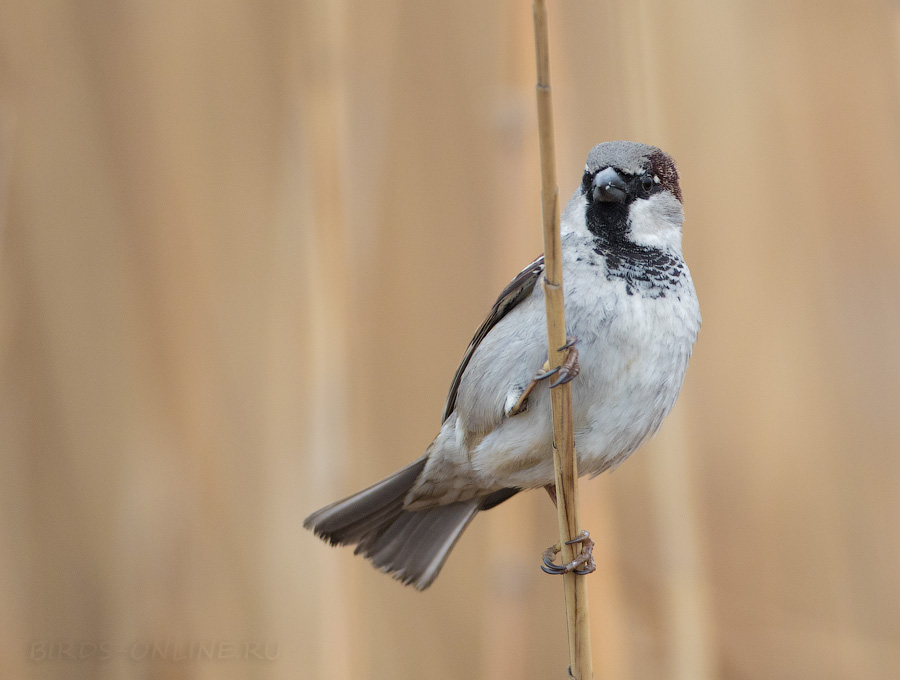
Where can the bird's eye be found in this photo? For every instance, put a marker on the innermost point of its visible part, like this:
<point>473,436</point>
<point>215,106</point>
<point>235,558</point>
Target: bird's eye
<point>646,183</point>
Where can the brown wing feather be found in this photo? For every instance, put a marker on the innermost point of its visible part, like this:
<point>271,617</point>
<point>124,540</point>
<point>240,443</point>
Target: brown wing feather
<point>517,290</point>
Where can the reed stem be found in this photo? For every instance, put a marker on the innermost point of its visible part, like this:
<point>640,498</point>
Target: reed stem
<point>564,461</point>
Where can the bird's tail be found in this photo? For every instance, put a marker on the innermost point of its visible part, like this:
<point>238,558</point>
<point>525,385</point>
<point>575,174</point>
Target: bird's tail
<point>412,546</point>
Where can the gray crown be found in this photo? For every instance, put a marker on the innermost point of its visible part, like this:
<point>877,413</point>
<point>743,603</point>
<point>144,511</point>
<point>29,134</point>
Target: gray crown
<point>628,157</point>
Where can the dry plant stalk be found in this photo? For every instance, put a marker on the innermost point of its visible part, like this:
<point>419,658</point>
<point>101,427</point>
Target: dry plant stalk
<point>564,461</point>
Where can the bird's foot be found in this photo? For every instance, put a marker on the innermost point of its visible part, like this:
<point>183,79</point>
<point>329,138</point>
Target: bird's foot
<point>567,370</point>
<point>582,564</point>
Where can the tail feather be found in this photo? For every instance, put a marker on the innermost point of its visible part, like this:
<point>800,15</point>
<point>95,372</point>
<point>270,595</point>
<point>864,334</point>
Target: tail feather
<point>350,520</point>
<point>412,546</point>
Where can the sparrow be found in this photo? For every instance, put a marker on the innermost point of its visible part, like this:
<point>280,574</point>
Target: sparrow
<point>631,306</point>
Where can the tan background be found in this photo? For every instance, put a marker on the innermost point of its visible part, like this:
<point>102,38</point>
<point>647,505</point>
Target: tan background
<point>243,245</point>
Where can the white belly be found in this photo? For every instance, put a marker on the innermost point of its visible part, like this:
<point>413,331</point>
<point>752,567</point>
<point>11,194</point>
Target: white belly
<point>631,376</point>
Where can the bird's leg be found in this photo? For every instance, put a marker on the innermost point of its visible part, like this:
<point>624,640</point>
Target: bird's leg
<point>522,403</point>
<point>582,564</point>
<point>551,491</point>
<point>585,558</point>
<point>567,371</point>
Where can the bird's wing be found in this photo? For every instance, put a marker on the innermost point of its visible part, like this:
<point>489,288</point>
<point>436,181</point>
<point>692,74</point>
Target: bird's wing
<point>517,290</point>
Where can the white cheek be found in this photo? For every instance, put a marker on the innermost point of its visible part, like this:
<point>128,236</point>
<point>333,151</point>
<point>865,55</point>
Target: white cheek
<point>656,222</point>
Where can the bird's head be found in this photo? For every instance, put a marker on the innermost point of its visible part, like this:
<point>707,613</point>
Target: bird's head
<point>629,193</point>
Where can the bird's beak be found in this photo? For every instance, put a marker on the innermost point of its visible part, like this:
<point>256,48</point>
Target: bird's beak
<point>609,187</point>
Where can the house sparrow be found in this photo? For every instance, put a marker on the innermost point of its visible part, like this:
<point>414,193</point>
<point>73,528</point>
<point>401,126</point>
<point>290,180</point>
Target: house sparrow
<point>631,304</point>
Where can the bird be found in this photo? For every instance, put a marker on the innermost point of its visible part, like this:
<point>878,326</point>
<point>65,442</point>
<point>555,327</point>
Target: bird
<point>632,318</point>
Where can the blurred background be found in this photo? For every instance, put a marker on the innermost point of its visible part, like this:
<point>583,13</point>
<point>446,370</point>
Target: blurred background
<point>243,246</point>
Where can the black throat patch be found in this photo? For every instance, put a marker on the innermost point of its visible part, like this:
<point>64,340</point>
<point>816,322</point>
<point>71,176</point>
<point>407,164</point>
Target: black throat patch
<point>647,271</point>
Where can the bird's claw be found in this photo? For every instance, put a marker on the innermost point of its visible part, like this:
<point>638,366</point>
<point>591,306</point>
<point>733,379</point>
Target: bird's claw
<point>583,563</point>
<point>549,554</point>
<point>567,370</point>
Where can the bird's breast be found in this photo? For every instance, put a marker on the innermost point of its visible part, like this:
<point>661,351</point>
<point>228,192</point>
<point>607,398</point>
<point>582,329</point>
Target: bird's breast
<point>633,360</point>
